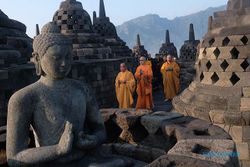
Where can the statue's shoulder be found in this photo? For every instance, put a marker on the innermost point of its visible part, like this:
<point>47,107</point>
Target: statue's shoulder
<point>24,95</point>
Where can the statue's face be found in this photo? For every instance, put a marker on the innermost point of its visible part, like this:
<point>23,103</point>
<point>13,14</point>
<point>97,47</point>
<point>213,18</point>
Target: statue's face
<point>56,62</point>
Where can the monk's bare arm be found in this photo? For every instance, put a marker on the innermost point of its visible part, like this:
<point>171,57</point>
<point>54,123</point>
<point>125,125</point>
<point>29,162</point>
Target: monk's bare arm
<point>19,120</point>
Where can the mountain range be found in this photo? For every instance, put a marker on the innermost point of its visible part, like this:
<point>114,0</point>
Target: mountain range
<point>152,29</point>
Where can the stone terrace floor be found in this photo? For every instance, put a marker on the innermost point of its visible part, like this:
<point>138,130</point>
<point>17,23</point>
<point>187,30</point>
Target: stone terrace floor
<point>160,104</point>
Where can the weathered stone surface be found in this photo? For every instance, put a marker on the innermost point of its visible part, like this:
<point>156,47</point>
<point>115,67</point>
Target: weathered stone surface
<point>181,161</point>
<point>234,118</point>
<point>158,141</point>
<point>153,121</point>
<point>246,92</point>
<point>129,122</point>
<point>217,151</point>
<point>108,113</point>
<point>245,163</point>
<point>127,119</point>
<point>236,133</point>
<point>141,153</point>
<point>243,150</point>
<point>190,128</point>
<point>217,116</point>
<point>245,104</point>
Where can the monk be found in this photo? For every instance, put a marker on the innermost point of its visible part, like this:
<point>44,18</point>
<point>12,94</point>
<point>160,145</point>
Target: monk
<point>170,73</point>
<point>125,87</point>
<point>144,76</point>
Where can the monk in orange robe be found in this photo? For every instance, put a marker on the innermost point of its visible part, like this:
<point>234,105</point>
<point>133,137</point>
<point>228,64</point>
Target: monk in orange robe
<point>171,78</point>
<point>125,87</point>
<point>144,76</point>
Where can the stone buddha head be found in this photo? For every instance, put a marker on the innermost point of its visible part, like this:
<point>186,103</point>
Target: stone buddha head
<point>52,53</point>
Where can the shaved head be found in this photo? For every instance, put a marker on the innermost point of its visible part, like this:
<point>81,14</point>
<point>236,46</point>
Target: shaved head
<point>123,67</point>
<point>123,64</point>
<point>169,58</point>
<point>142,60</point>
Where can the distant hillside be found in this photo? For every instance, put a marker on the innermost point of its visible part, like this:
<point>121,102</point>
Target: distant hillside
<point>152,29</point>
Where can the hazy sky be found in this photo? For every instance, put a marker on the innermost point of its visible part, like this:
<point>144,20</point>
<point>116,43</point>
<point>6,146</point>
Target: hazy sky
<point>31,12</point>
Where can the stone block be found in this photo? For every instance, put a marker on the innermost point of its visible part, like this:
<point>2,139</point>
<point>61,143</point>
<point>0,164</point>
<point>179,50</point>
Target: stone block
<point>246,133</point>
<point>234,118</point>
<point>245,163</point>
<point>204,149</point>
<point>225,52</point>
<point>215,66</point>
<point>246,117</point>
<point>236,133</point>
<point>243,150</point>
<point>190,128</point>
<point>210,53</point>
<point>246,92</point>
<point>235,40</point>
<point>244,51</point>
<point>141,153</point>
<point>244,79</point>
<point>217,116</point>
<point>234,65</point>
<point>207,78</point>
<point>245,104</point>
<point>224,79</point>
<point>154,121</point>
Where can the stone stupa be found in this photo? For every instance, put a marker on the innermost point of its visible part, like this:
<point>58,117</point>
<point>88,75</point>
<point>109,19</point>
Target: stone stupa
<point>187,58</point>
<point>75,22</point>
<point>168,47</point>
<point>220,92</point>
<point>105,28</point>
<point>139,49</point>
<point>15,45</point>
<point>90,41</point>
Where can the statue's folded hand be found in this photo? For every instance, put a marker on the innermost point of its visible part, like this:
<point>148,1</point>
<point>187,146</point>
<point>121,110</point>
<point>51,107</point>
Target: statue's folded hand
<point>86,142</point>
<point>65,144</point>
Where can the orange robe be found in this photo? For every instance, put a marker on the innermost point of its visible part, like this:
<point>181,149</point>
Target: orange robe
<point>171,79</point>
<point>144,87</point>
<point>124,91</point>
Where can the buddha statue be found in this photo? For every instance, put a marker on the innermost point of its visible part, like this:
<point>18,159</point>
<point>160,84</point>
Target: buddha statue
<point>62,113</point>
